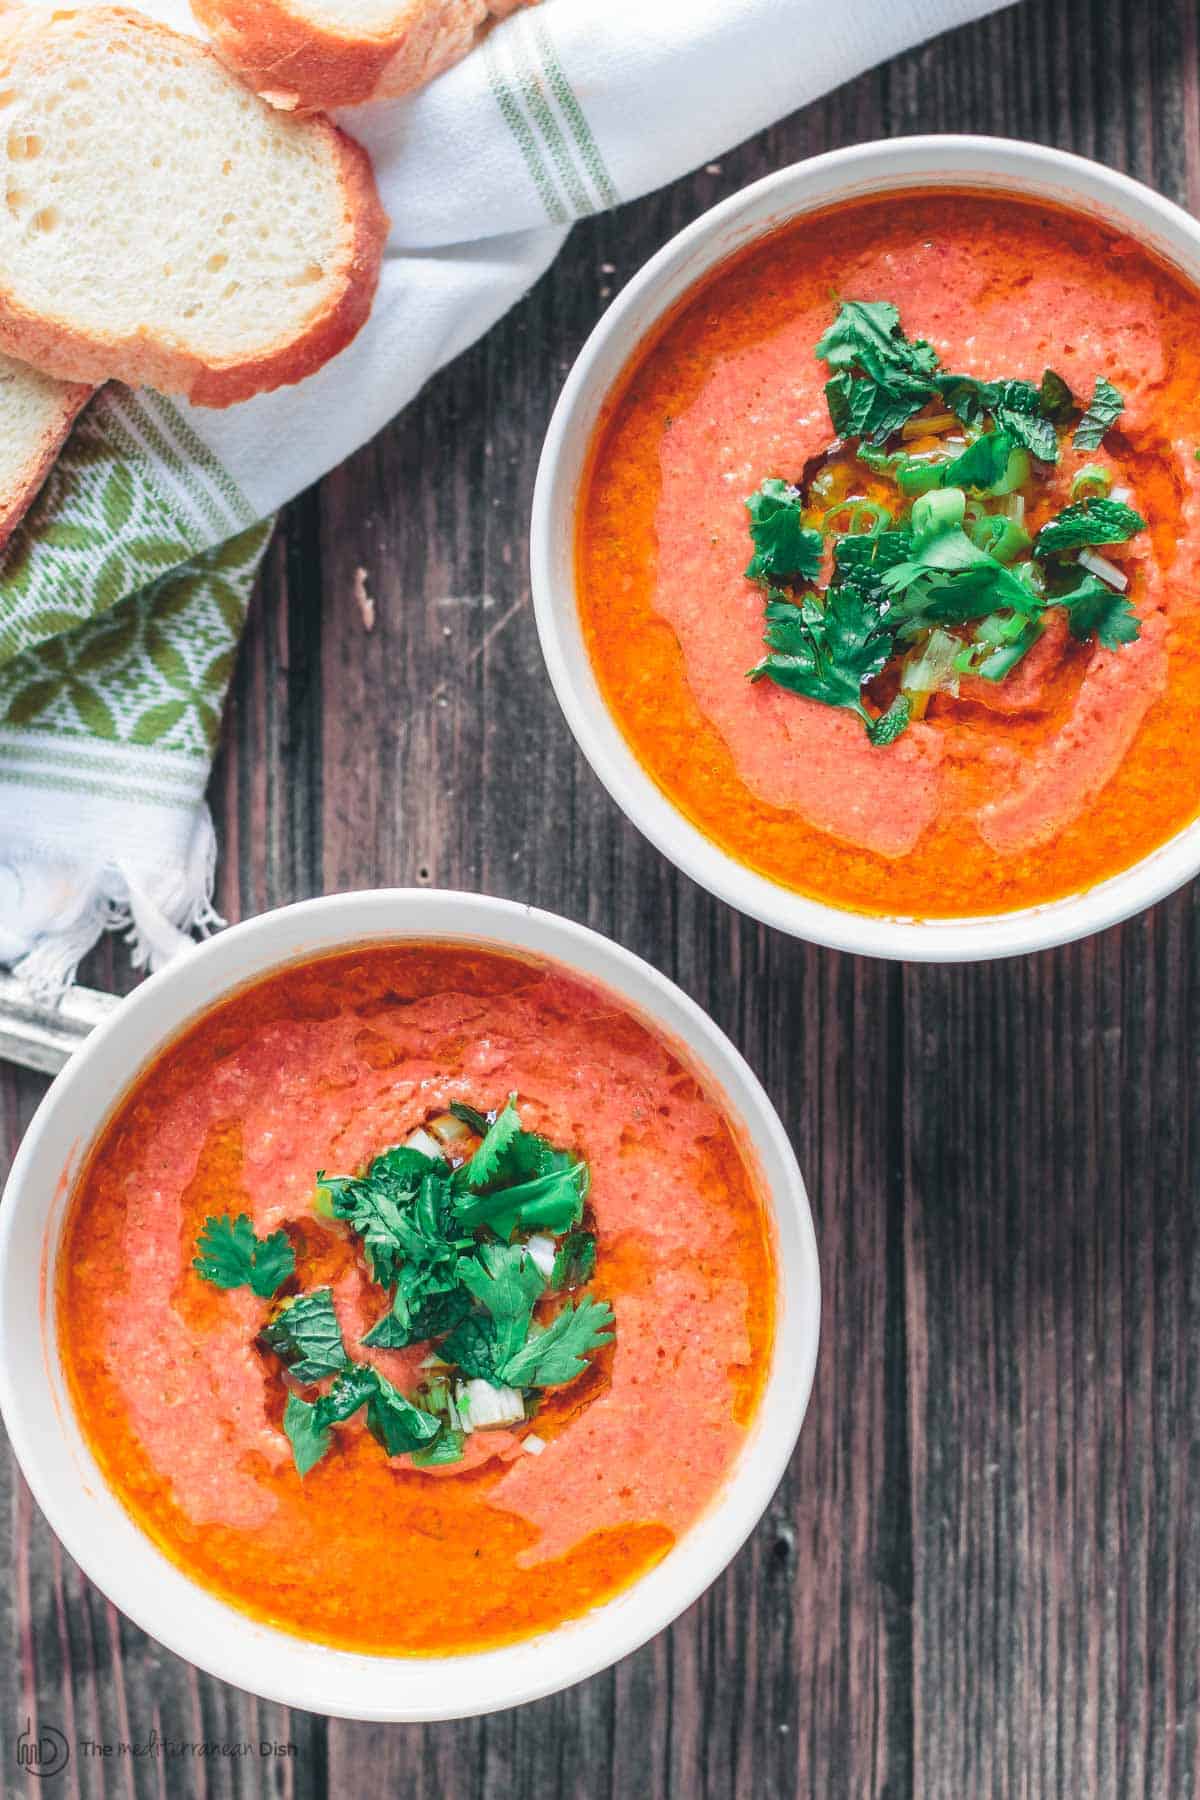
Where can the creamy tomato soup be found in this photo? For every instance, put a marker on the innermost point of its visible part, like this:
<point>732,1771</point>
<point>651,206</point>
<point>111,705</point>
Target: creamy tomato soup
<point>1029,741</point>
<point>529,1203</point>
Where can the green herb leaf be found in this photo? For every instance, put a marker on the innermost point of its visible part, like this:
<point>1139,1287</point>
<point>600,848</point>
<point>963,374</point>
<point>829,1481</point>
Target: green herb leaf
<point>353,1387</point>
<point>1057,400</point>
<point>575,1263</point>
<point>470,1116</point>
<point>395,1422</point>
<point>889,725</point>
<point>487,1163</point>
<point>308,1437</point>
<point>558,1354</point>
<point>1017,409</point>
<point>1106,407</point>
<point>784,547</point>
<point>507,1283</point>
<point>447,1447</point>
<point>1088,522</point>
<point>305,1333</point>
<point>471,1347</point>
<point>867,335</point>
<point>1096,609</point>
<point>827,652</point>
<point>552,1202</point>
<point>230,1255</point>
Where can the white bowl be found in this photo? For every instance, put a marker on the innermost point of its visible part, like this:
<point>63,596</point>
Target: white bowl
<point>102,1536</point>
<point>922,162</point>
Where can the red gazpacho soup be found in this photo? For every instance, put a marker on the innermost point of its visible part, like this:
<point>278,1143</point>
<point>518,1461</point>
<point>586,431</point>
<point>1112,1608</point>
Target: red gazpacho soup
<point>417,1298</point>
<point>887,554</point>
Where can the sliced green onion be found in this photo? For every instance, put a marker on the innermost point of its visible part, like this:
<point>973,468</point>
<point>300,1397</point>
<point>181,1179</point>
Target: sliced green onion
<point>1106,571</point>
<point>482,1407</point>
<point>1015,475</point>
<point>877,518</point>
<point>931,669</point>
<point>1091,483</point>
<point>999,535</point>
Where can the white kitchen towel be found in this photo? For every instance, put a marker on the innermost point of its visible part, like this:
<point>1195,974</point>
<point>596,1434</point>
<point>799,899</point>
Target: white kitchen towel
<point>122,595</point>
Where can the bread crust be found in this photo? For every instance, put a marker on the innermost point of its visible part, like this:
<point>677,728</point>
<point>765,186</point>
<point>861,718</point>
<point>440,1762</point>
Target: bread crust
<point>17,493</point>
<point>299,61</point>
<point>76,355</point>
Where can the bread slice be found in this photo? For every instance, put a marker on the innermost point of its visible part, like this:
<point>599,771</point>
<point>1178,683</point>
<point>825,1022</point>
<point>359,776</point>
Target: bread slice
<point>36,413</point>
<point>312,54</point>
<point>162,225</point>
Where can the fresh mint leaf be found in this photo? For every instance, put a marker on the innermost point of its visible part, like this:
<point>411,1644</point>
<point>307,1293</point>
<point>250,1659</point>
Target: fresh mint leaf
<point>1057,400</point>
<point>506,1281</point>
<point>308,1437</point>
<point>471,1347</point>
<point>867,335</point>
<point>230,1255</point>
<point>414,1323</point>
<point>1017,409</point>
<point>964,396</point>
<point>785,549</point>
<point>575,1262</point>
<point>889,725</point>
<point>395,1422</point>
<point>353,1387</point>
<point>559,1353</point>
<point>1095,609</point>
<point>305,1334</point>
<point>1088,522</point>
<point>1104,409</point>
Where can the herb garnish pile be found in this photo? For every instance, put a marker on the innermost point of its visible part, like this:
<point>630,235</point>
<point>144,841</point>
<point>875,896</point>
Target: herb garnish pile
<point>942,580</point>
<point>467,1249</point>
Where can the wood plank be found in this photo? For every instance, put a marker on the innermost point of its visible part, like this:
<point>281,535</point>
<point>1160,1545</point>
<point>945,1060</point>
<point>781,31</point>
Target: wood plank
<point>1050,1249</point>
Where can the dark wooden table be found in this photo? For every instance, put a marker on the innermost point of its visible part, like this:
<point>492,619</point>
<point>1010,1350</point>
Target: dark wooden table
<point>982,1574</point>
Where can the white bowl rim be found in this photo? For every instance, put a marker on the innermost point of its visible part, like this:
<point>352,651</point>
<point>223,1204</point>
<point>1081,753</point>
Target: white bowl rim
<point>1006,164</point>
<point>167,1603</point>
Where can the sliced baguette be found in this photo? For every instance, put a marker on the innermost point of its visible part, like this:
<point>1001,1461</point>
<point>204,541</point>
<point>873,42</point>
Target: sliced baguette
<point>162,225</point>
<point>315,54</point>
<point>36,413</point>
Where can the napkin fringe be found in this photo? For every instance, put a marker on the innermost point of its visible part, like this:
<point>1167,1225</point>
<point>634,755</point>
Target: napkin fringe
<point>159,918</point>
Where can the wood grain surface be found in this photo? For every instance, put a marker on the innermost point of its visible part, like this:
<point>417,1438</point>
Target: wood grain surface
<point>982,1574</point>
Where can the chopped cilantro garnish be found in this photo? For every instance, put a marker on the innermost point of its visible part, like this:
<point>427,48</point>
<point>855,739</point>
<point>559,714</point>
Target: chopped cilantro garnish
<point>826,651</point>
<point>1094,608</point>
<point>936,566</point>
<point>306,1335</point>
<point>784,548</point>
<point>507,1283</point>
<point>230,1255</point>
<point>1105,409</point>
<point>558,1353</point>
<point>437,1236</point>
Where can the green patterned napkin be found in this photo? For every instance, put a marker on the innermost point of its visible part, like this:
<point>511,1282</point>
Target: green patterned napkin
<point>122,597</point>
